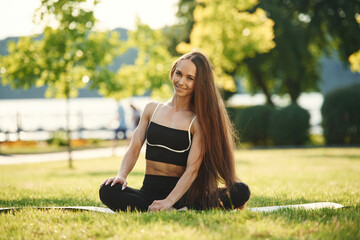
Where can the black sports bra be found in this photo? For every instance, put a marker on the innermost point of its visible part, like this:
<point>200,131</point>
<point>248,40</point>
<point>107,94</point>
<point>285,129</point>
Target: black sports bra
<point>167,145</point>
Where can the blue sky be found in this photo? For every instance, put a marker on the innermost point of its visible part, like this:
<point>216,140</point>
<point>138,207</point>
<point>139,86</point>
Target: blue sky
<point>16,15</point>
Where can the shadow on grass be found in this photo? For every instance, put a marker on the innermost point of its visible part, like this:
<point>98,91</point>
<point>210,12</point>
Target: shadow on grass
<point>261,201</point>
<point>242,162</point>
<point>332,156</point>
<point>105,174</point>
<point>110,173</point>
<point>47,202</point>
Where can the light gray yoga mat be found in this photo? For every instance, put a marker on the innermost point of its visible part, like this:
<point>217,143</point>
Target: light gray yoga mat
<point>307,206</point>
<point>73,208</point>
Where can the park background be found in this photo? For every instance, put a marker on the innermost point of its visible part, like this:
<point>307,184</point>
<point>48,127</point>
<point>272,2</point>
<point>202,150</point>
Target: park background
<point>288,72</point>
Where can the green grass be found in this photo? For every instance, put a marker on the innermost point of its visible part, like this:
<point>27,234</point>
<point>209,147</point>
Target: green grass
<point>276,177</point>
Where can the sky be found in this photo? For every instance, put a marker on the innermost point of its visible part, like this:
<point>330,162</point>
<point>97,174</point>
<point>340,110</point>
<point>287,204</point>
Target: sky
<point>16,15</point>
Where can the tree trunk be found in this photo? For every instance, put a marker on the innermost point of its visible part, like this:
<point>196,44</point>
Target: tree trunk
<point>260,82</point>
<point>68,131</point>
<point>293,89</point>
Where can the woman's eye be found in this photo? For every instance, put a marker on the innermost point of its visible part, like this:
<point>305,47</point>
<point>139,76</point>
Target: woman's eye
<point>190,78</point>
<point>178,73</point>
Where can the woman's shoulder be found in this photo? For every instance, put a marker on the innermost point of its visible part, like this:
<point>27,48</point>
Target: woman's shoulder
<point>150,107</point>
<point>195,125</point>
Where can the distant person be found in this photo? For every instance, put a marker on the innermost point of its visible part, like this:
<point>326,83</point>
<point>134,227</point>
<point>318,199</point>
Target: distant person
<point>135,116</point>
<point>189,149</point>
<point>122,128</point>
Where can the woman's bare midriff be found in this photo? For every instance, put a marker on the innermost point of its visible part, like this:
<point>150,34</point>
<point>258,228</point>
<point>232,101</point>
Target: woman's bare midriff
<point>163,169</point>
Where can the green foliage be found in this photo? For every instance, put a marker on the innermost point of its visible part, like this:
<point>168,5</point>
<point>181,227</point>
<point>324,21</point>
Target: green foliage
<point>354,58</point>
<point>22,64</point>
<point>290,126</point>
<point>228,33</point>
<point>58,138</point>
<point>180,32</point>
<point>152,66</point>
<point>304,31</point>
<point>334,24</point>
<point>68,55</point>
<point>290,67</point>
<point>252,124</point>
<point>232,111</point>
<point>341,116</point>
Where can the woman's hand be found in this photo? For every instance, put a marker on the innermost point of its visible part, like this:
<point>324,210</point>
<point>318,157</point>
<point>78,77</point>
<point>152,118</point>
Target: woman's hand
<point>160,205</point>
<point>115,180</point>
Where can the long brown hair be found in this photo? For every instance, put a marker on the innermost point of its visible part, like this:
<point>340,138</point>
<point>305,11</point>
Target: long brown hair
<point>218,165</point>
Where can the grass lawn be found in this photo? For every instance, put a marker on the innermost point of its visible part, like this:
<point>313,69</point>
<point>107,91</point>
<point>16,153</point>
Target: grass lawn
<point>276,177</point>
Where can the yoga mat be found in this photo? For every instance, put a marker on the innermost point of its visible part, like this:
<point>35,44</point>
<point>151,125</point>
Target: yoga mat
<point>307,206</point>
<point>72,208</point>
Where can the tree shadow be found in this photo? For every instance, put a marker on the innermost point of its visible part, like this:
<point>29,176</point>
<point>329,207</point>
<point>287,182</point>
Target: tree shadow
<point>94,174</point>
<point>332,156</point>
<point>263,201</point>
<point>46,202</point>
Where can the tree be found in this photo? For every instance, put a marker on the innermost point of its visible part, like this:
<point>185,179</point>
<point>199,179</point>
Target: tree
<point>180,32</point>
<point>228,33</point>
<point>290,67</point>
<point>152,66</point>
<point>335,25</point>
<point>354,58</point>
<point>304,31</point>
<point>68,56</point>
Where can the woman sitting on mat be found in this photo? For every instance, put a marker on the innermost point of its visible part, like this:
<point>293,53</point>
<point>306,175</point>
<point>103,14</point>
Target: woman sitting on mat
<point>189,149</point>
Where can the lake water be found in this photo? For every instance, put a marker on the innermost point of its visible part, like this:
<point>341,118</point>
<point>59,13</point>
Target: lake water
<point>39,117</point>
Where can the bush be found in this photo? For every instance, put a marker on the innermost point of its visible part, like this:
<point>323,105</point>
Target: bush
<point>290,126</point>
<point>252,123</point>
<point>232,111</point>
<point>341,116</point>
<point>58,138</point>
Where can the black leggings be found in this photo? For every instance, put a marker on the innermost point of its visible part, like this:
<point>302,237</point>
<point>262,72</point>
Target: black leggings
<point>159,187</point>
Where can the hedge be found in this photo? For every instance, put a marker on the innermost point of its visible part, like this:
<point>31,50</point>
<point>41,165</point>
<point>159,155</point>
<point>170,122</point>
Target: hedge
<point>290,126</point>
<point>252,123</point>
<point>263,124</point>
<point>341,116</point>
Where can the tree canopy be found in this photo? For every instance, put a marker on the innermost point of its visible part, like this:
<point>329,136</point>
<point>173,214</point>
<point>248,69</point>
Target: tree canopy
<point>354,58</point>
<point>227,32</point>
<point>304,31</point>
<point>152,65</point>
<point>67,56</point>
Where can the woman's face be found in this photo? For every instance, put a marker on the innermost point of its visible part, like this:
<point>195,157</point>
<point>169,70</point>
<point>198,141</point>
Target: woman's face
<point>184,78</point>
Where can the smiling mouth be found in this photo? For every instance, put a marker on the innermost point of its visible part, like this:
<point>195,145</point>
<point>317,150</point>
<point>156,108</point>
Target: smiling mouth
<point>180,87</point>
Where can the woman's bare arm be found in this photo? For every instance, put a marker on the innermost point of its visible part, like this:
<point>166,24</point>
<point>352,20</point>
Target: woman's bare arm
<point>134,148</point>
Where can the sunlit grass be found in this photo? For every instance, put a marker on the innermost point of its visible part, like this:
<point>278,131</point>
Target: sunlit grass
<point>276,177</point>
